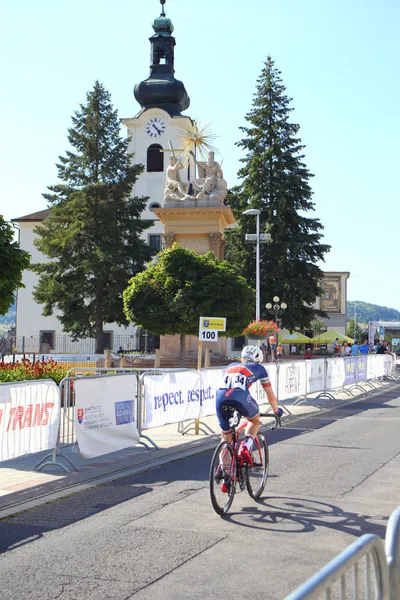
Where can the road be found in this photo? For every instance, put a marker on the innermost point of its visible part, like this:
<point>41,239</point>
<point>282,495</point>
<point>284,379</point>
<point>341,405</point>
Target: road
<point>154,536</point>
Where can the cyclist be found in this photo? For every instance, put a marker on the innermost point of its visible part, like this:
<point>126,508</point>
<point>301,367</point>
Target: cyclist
<point>234,391</point>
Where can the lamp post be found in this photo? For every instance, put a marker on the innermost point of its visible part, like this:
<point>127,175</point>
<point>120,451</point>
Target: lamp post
<point>277,308</point>
<point>355,321</point>
<point>255,211</point>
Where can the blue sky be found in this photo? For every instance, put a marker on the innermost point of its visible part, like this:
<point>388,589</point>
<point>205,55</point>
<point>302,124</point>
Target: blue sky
<point>339,61</point>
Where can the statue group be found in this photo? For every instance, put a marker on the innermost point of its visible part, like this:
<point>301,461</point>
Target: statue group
<point>209,186</point>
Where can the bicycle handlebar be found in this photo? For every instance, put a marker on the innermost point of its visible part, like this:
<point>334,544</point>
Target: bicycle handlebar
<point>278,420</point>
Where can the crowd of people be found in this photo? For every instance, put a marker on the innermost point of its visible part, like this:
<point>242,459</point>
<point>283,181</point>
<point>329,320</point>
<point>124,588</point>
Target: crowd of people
<point>355,349</point>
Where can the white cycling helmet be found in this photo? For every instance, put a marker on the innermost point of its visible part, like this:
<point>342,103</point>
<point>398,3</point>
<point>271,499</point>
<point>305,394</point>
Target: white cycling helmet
<point>253,354</point>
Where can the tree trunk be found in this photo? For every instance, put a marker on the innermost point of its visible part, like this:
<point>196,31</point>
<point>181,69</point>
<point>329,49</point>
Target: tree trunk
<point>99,336</point>
<point>182,350</point>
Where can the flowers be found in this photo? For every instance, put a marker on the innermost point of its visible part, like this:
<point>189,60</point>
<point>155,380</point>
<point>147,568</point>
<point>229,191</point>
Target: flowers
<point>260,328</point>
<point>25,370</point>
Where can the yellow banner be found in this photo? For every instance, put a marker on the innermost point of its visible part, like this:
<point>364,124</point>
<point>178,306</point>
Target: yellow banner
<point>215,323</point>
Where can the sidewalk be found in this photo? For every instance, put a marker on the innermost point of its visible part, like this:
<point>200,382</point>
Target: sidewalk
<point>22,487</point>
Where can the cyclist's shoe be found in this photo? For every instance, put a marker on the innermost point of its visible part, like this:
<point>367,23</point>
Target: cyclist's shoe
<point>245,455</point>
<point>225,486</point>
<point>279,412</point>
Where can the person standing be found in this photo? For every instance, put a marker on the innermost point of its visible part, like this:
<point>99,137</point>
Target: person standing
<point>336,347</point>
<point>354,349</point>
<point>272,343</point>
<point>279,352</point>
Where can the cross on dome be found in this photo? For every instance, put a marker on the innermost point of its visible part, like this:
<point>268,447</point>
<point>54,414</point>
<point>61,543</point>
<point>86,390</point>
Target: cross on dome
<point>162,2</point>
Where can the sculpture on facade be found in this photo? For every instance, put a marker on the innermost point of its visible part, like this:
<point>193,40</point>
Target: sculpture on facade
<point>174,188</point>
<point>209,186</point>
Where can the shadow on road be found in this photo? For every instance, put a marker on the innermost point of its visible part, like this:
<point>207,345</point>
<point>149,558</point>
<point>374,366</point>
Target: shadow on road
<point>300,515</point>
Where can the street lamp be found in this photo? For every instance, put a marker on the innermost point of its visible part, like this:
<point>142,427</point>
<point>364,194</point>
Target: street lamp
<point>255,211</point>
<point>277,308</point>
<point>264,237</point>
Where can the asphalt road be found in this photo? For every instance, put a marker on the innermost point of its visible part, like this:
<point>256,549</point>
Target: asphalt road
<point>155,536</point>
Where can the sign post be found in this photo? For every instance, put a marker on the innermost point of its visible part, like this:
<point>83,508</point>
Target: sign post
<point>208,332</point>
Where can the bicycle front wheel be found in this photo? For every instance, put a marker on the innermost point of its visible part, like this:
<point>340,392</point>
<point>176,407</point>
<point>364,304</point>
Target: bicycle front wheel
<point>222,472</point>
<point>257,475</point>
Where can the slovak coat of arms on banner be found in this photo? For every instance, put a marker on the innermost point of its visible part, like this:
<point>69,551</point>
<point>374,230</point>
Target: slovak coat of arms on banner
<point>80,413</point>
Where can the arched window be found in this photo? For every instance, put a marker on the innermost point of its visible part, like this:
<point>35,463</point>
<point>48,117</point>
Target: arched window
<point>154,205</point>
<point>155,159</point>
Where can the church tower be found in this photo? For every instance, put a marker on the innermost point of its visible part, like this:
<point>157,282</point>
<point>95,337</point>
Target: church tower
<point>162,98</point>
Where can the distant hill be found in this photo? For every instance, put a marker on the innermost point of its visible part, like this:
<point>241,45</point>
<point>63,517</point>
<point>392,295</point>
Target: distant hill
<point>366,312</point>
<point>8,320</point>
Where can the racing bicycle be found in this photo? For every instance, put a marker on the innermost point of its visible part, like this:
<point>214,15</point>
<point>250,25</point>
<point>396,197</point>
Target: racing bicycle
<point>227,468</point>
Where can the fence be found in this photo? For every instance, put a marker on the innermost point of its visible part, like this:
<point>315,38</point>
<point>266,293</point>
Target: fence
<point>156,397</point>
<point>62,344</point>
<point>366,569</point>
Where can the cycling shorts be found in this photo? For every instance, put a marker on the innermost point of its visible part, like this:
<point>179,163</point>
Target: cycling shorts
<point>240,400</point>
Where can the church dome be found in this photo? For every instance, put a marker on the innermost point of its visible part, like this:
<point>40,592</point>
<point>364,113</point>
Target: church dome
<point>161,89</point>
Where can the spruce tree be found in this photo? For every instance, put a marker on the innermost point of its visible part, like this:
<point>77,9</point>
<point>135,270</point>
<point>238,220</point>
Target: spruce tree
<point>92,235</point>
<point>275,180</point>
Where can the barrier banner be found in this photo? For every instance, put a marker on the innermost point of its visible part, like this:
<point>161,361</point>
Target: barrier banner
<point>372,366</point>
<point>256,389</point>
<point>174,397</point>
<point>315,370</point>
<point>334,373</point>
<point>387,364</point>
<point>29,417</point>
<point>105,414</point>
<point>210,381</point>
<point>349,370</point>
<point>361,368</point>
<point>291,380</point>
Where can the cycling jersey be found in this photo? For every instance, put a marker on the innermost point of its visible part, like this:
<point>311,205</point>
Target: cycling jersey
<point>234,391</point>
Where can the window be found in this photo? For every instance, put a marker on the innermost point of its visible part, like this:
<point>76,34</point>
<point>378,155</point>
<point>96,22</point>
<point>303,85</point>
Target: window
<point>155,159</point>
<point>107,339</point>
<point>239,343</point>
<point>154,205</point>
<point>46,339</point>
<point>155,242</point>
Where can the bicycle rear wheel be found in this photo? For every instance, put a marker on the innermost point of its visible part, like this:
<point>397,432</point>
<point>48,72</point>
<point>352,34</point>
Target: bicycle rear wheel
<point>222,471</point>
<point>257,475</point>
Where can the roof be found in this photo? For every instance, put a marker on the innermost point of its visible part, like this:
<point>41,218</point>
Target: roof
<point>37,216</point>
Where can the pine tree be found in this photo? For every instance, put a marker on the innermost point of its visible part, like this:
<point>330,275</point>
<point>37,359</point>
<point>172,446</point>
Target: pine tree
<point>275,180</point>
<point>92,233</point>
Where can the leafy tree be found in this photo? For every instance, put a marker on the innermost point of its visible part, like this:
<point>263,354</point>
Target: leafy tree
<point>275,180</point>
<point>359,334</point>
<point>13,261</point>
<point>172,294</point>
<point>316,326</point>
<point>92,233</point>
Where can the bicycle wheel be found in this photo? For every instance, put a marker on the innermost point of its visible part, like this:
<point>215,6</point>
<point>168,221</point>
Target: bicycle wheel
<point>257,475</point>
<point>222,471</point>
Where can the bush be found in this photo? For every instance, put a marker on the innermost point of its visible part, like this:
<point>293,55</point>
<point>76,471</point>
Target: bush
<point>26,371</point>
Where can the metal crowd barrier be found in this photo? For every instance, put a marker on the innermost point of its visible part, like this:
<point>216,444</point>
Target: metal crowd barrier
<point>67,433</point>
<point>374,570</point>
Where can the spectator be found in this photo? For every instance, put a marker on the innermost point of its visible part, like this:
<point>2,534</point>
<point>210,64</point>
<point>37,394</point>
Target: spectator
<point>382,348</point>
<point>348,349</point>
<point>336,347</point>
<point>272,343</point>
<point>364,347</point>
<point>264,349</point>
<point>354,349</point>
<point>308,353</point>
<point>343,349</point>
<point>279,351</point>
<point>293,349</point>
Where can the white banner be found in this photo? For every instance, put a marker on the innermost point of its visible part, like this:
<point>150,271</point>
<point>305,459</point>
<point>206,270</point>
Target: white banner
<point>174,397</point>
<point>335,373</point>
<point>29,417</point>
<point>211,380</point>
<point>257,391</point>
<point>292,380</point>
<point>315,370</point>
<point>105,414</point>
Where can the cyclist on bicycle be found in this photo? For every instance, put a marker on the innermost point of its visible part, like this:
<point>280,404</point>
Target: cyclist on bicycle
<point>234,392</point>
